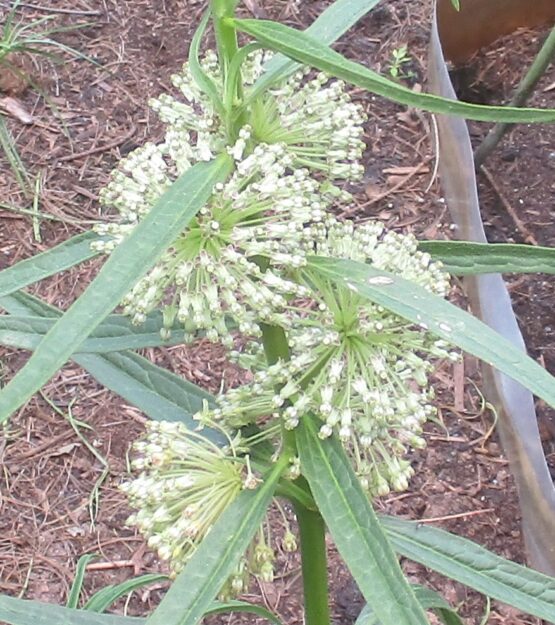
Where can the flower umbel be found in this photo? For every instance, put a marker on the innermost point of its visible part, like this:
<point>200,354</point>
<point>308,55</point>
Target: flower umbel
<point>360,368</point>
<point>211,272</point>
<point>185,484</point>
<point>317,121</point>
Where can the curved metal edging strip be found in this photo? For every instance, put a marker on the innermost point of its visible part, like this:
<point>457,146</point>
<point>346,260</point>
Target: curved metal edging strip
<point>490,301</point>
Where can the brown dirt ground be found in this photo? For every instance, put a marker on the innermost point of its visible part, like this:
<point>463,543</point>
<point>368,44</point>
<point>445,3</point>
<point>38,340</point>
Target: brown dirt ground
<point>462,481</point>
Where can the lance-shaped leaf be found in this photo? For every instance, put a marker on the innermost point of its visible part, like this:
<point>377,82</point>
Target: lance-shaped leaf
<point>25,612</point>
<point>15,611</point>
<point>474,566</point>
<point>428,599</point>
<point>309,50</point>
<point>127,263</point>
<point>327,28</point>
<point>160,394</point>
<point>416,304</point>
<point>114,334</point>
<point>355,528</point>
<point>63,256</point>
<point>462,258</point>
<point>217,556</point>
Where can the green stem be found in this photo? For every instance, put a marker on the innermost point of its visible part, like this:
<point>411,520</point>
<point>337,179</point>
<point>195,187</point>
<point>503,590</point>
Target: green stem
<point>314,566</point>
<point>226,35</point>
<point>276,348</point>
<point>524,90</point>
<point>297,492</point>
<point>226,43</point>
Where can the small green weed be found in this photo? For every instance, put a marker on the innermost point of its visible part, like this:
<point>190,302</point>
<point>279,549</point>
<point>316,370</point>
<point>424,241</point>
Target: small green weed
<point>399,60</point>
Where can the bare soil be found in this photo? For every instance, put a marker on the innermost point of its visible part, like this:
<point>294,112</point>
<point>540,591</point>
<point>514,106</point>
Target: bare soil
<point>97,114</point>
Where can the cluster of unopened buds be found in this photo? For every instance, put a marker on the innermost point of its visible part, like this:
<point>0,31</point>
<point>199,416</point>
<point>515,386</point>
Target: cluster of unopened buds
<point>185,482</point>
<point>242,263</point>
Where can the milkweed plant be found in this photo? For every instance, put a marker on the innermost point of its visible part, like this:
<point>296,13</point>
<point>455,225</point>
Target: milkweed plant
<point>240,201</point>
<point>239,270</point>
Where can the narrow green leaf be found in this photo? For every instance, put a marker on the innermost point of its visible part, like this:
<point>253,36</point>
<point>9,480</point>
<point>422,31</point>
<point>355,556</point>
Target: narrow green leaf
<point>199,75</point>
<point>428,599</point>
<point>456,326</point>
<point>327,28</point>
<point>431,600</point>
<point>213,562</point>
<point>462,258</point>
<point>309,50</point>
<point>159,393</point>
<point>25,612</point>
<point>242,606</point>
<point>114,334</point>
<point>472,565</point>
<point>356,529</point>
<point>105,597</point>
<point>63,256</point>
<point>77,585</point>
<point>127,263</point>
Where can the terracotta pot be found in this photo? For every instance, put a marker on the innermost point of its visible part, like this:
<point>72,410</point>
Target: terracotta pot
<point>480,22</point>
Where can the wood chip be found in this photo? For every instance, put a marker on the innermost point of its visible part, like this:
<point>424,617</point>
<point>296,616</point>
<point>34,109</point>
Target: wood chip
<point>15,108</point>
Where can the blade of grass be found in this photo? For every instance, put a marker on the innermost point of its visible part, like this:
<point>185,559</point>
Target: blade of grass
<point>105,597</point>
<point>17,166</point>
<point>77,584</point>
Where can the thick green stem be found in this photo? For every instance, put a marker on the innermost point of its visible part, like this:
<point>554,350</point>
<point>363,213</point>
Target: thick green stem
<point>226,35</point>
<point>226,42</point>
<point>314,566</point>
<point>276,348</point>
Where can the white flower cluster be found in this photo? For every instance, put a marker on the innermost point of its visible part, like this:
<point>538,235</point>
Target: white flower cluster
<point>212,271</point>
<point>361,369</point>
<point>184,485</point>
<point>208,273</point>
<point>317,121</point>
